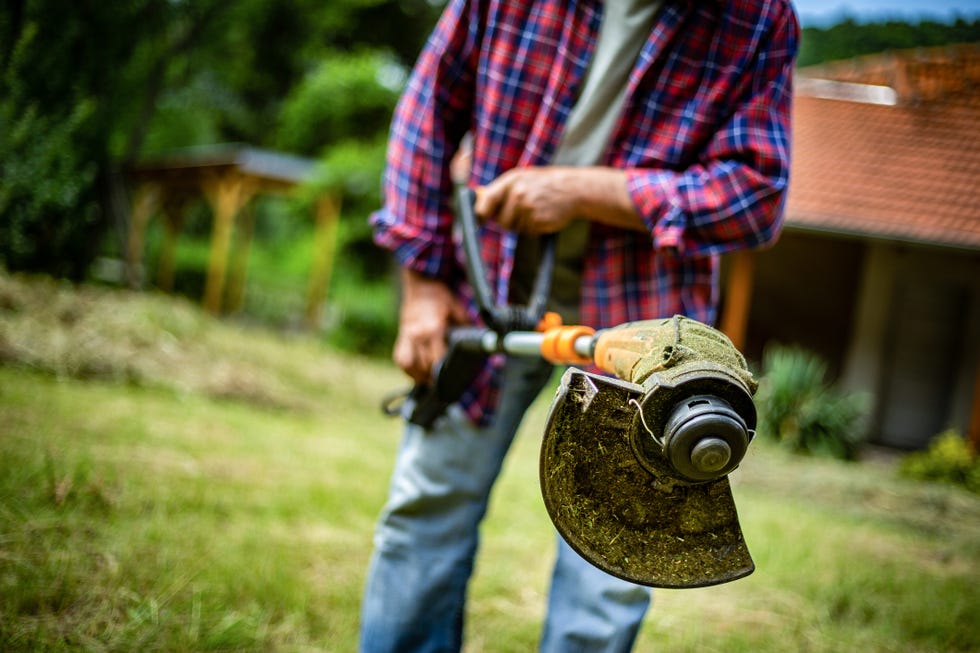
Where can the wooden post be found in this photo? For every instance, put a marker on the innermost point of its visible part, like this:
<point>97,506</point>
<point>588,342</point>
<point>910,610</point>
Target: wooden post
<point>145,202</point>
<point>174,209</point>
<point>224,193</point>
<point>324,247</point>
<point>738,297</point>
<point>973,428</point>
<point>239,258</point>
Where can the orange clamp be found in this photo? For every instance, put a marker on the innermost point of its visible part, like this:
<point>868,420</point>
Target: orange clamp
<point>549,320</point>
<point>558,345</point>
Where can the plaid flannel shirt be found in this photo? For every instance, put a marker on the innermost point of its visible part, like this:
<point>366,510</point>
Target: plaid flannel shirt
<point>704,138</point>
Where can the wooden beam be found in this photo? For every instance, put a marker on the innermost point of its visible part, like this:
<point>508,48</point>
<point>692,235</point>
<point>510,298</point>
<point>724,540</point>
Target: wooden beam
<point>324,248</point>
<point>239,258</point>
<point>174,212</point>
<point>973,428</point>
<point>225,193</point>
<point>145,202</point>
<point>738,296</point>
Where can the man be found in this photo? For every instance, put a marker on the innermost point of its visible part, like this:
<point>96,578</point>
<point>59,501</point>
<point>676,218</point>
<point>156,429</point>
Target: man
<point>653,135</point>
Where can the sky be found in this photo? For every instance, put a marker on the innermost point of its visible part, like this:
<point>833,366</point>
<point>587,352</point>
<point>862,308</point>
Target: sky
<point>819,13</point>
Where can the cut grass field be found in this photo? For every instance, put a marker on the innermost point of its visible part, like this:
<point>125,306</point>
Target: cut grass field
<point>169,482</point>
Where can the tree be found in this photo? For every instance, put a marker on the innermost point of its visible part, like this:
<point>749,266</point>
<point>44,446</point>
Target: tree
<point>75,87</point>
<point>849,38</point>
<point>86,88</point>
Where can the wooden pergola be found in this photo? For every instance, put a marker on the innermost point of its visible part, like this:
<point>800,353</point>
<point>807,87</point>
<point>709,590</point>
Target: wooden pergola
<point>228,177</point>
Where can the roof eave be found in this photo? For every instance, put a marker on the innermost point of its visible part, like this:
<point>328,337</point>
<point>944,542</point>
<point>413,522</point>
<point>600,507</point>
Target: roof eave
<point>890,238</point>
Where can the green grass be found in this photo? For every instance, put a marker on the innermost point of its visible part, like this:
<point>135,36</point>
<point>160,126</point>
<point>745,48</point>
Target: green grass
<point>173,483</point>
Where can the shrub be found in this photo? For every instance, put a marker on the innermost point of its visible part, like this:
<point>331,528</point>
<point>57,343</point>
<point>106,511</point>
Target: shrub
<point>348,96</point>
<point>949,459</point>
<point>47,200</point>
<point>800,409</point>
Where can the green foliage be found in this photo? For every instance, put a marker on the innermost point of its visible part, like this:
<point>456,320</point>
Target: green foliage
<point>949,459</point>
<point>45,190</point>
<point>197,113</point>
<point>72,85</point>
<point>360,313</point>
<point>353,170</point>
<point>347,96</point>
<point>361,307</point>
<point>84,93</point>
<point>800,409</point>
<point>363,317</point>
<point>849,38</point>
<point>47,202</point>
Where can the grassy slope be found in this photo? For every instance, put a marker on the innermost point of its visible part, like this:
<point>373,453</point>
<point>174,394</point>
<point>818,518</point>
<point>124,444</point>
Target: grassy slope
<point>168,482</point>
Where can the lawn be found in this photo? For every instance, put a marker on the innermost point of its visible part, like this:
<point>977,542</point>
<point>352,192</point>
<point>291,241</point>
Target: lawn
<point>170,482</point>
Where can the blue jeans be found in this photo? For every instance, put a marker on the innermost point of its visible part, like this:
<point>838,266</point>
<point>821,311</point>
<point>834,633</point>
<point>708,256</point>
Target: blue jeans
<point>427,539</point>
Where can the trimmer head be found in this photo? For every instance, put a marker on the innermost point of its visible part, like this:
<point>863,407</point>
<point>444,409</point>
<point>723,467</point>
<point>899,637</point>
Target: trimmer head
<point>617,496</point>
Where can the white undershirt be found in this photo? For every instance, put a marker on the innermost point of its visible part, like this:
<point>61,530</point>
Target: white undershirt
<point>625,27</point>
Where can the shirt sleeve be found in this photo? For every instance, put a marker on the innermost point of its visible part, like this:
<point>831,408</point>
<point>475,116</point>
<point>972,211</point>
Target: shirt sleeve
<point>733,198</point>
<point>415,221</point>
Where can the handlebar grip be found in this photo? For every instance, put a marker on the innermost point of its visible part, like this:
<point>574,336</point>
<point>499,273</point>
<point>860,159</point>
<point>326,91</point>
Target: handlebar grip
<point>475,272</point>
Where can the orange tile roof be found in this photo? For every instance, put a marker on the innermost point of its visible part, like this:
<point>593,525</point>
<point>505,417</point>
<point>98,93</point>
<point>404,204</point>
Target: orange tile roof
<point>907,172</point>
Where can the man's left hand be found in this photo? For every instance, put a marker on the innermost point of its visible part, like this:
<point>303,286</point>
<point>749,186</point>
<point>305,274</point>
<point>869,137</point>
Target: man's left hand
<point>530,200</point>
<point>544,199</point>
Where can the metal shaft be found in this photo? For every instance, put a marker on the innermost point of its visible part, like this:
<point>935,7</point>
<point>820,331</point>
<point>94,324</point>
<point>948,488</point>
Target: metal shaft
<point>528,343</point>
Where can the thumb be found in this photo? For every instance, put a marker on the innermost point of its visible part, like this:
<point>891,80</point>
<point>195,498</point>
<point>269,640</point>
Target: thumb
<point>457,313</point>
<point>487,200</point>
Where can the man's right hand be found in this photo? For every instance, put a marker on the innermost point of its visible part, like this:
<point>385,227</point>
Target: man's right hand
<point>428,309</point>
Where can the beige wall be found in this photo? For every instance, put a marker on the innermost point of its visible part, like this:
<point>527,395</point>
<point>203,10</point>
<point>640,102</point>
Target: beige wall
<point>901,322</point>
<point>915,341</point>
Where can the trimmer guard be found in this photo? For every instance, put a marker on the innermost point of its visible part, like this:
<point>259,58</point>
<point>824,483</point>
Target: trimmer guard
<point>624,517</point>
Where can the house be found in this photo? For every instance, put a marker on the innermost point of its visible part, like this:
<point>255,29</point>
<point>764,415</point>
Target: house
<point>878,267</point>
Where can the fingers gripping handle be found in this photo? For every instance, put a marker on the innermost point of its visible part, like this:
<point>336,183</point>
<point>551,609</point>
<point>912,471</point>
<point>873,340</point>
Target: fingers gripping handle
<point>501,318</point>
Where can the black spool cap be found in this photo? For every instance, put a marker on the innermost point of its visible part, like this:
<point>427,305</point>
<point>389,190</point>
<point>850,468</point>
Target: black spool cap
<point>704,438</point>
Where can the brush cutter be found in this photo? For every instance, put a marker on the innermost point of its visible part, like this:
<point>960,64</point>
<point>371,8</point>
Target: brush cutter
<point>634,466</point>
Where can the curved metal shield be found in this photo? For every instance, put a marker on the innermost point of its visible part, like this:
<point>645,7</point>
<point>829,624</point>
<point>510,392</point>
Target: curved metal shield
<point>631,520</point>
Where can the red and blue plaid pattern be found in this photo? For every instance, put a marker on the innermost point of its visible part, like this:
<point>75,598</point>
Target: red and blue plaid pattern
<point>704,138</point>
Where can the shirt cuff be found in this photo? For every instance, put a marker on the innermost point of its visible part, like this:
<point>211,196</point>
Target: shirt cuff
<point>655,196</point>
<point>414,248</point>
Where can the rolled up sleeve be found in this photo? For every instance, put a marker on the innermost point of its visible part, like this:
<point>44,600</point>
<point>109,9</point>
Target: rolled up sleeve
<point>733,196</point>
<point>415,221</point>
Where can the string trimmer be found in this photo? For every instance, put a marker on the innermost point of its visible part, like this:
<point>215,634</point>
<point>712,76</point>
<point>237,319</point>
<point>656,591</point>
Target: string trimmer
<point>633,469</point>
